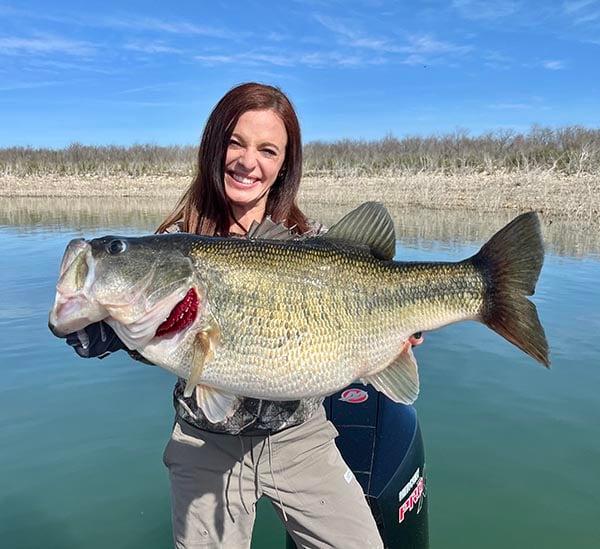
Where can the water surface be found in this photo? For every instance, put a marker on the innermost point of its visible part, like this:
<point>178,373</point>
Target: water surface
<point>512,450</point>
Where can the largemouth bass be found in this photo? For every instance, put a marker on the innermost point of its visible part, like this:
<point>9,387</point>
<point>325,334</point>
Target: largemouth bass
<point>288,319</point>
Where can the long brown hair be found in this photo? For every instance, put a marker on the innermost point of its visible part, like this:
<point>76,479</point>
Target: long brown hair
<point>204,208</point>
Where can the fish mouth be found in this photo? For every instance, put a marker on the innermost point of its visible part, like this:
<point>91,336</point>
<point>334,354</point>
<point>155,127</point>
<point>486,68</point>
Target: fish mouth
<point>182,315</point>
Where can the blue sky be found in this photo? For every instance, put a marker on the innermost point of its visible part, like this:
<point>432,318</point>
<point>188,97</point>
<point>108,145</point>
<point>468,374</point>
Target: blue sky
<point>150,72</point>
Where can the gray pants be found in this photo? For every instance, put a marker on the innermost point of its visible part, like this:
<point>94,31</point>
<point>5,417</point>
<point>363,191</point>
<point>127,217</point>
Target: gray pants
<point>217,479</point>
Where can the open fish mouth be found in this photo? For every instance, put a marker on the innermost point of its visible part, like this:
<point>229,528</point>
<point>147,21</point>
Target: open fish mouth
<point>183,315</point>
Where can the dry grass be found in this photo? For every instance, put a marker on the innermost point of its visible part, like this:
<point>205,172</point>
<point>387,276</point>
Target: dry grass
<point>555,195</point>
<point>566,150</point>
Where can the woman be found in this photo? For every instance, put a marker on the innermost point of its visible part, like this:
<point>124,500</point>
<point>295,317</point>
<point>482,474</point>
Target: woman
<point>249,166</point>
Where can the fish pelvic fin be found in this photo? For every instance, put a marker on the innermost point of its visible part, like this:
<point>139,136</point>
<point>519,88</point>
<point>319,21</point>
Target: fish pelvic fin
<point>216,405</point>
<point>370,225</point>
<point>510,263</point>
<point>400,380</point>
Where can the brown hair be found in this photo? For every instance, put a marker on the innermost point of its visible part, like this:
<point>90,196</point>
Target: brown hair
<point>204,208</point>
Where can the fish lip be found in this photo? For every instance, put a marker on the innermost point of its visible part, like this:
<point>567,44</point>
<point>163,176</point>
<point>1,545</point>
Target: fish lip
<point>61,321</point>
<point>75,247</point>
<point>74,307</point>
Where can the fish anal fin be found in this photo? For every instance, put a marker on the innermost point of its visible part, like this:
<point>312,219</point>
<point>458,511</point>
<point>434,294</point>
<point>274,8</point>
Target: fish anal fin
<point>215,404</point>
<point>400,380</point>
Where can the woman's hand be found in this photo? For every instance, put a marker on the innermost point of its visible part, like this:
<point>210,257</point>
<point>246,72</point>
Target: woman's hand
<point>97,340</point>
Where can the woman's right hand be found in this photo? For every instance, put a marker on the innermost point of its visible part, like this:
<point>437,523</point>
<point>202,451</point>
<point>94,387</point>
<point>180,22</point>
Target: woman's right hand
<point>97,340</point>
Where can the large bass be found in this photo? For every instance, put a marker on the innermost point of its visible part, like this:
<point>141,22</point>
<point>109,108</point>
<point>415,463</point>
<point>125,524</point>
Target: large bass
<point>294,318</point>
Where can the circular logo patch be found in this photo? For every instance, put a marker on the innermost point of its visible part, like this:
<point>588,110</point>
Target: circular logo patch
<point>354,396</point>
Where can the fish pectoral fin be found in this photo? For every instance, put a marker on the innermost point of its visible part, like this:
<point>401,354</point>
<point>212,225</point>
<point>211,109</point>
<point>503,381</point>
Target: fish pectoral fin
<point>400,380</point>
<point>204,350</point>
<point>216,405</point>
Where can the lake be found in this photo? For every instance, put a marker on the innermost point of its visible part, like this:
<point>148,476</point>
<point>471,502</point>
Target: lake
<point>512,450</point>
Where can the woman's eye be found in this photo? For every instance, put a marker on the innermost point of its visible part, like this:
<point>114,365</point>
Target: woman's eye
<point>234,143</point>
<point>270,152</point>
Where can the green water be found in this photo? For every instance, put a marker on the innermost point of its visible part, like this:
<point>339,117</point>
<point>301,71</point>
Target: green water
<point>513,450</point>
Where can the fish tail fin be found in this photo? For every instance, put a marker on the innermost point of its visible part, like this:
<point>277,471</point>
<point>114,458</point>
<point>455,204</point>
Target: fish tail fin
<point>510,263</point>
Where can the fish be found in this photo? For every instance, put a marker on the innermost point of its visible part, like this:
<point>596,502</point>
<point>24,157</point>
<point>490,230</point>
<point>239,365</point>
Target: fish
<point>285,318</point>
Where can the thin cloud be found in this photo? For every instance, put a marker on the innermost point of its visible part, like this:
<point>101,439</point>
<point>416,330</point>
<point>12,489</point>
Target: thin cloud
<point>320,60</point>
<point>497,60</point>
<point>158,25</point>
<point>425,49</point>
<point>44,44</point>
<point>151,48</point>
<point>533,102</point>
<point>483,9</point>
<point>349,36</point>
<point>588,18</point>
<point>29,85</point>
<point>125,21</point>
<point>582,11</point>
<point>309,59</point>
<point>153,87</point>
<point>51,65</point>
<point>427,44</point>
<point>577,5</point>
<point>417,49</point>
<point>554,65</point>
<point>510,106</point>
<point>246,59</point>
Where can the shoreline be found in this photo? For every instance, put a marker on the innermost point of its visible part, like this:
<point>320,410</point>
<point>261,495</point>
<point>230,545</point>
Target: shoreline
<point>575,196</point>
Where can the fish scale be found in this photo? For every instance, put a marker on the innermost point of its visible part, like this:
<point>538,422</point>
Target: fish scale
<point>327,329</point>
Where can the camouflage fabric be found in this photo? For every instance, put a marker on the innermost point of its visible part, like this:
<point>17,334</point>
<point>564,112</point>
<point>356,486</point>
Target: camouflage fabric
<point>253,416</point>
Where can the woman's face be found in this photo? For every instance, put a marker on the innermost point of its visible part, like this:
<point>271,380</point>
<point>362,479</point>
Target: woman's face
<point>255,155</point>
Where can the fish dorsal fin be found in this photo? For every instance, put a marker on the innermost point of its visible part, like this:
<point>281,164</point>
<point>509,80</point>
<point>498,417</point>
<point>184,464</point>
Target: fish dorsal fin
<point>370,225</point>
<point>267,229</point>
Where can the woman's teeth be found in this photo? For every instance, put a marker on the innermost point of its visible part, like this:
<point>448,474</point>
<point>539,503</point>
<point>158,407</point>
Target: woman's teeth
<point>241,179</point>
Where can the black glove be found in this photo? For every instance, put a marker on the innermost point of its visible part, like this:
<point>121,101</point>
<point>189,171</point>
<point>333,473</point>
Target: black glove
<point>97,340</point>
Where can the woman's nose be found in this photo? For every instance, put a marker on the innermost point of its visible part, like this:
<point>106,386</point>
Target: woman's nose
<point>247,159</point>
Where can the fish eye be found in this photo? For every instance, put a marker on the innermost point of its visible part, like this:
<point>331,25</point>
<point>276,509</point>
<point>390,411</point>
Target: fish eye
<point>116,247</point>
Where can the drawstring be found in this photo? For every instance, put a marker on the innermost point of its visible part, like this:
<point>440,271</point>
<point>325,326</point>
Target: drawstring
<point>240,462</point>
<point>241,472</point>
<point>240,491</point>
<point>273,477</point>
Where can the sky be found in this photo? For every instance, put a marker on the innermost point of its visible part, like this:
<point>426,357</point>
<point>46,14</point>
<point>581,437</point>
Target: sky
<point>125,72</point>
